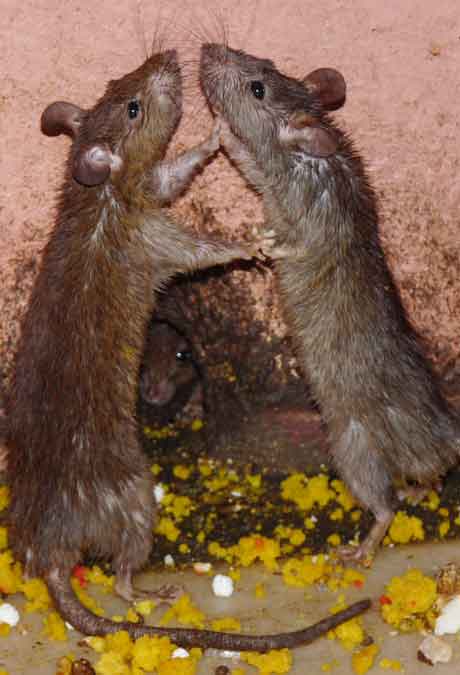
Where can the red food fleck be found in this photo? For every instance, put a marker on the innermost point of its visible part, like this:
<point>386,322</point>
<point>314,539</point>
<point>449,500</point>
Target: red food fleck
<point>385,600</point>
<point>259,543</point>
<point>80,572</point>
<point>358,583</point>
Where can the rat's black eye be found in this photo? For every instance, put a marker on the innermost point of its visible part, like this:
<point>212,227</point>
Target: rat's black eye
<point>258,89</point>
<point>133,109</point>
<point>184,355</point>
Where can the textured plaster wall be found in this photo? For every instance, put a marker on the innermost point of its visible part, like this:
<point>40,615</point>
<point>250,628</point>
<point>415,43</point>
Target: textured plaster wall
<point>402,64</point>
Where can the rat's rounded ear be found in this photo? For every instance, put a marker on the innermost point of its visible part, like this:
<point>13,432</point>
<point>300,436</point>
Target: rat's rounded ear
<point>304,134</point>
<point>328,85</point>
<point>92,165</point>
<point>61,117</point>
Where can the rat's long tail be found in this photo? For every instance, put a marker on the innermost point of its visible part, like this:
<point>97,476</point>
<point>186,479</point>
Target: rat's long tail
<point>87,622</point>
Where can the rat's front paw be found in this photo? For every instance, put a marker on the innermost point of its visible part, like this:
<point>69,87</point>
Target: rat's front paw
<point>268,247</point>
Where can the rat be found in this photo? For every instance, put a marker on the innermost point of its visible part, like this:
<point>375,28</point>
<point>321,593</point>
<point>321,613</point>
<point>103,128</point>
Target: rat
<point>387,419</point>
<point>79,481</point>
<point>170,382</point>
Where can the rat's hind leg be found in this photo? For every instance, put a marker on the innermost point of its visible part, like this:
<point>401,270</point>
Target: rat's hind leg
<point>365,473</point>
<point>136,543</point>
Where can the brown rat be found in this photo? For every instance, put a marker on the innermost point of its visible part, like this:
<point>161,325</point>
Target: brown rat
<point>79,481</point>
<point>170,382</point>
<point>386,416</point>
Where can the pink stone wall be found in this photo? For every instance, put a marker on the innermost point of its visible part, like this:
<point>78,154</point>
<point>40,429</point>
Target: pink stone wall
<point>402,64</point>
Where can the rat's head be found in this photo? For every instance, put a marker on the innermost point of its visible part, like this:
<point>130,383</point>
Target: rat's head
<point>168,364</point>
<point>131,125</point>
<point>263,106</point>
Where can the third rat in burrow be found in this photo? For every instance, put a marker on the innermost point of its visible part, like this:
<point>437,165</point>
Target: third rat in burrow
<point>170,382</point>
<point>387,419</point>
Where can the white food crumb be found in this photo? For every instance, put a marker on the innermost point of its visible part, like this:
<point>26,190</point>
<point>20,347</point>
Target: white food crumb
<point>169,560</point>
<point>222,586</point>
<point>9,614</point>
<point>69,625</point>
<point>236,493</point>
<point>449,620</point>
<point>159,493</point>
<point>180,653</point>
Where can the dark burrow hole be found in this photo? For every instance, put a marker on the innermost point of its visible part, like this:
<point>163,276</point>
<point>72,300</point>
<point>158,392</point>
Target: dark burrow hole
<point>257,414</point>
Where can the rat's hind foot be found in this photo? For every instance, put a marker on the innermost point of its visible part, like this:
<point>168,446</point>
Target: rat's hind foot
<point>365,552</point>
<point>415,493</point>
<point>168,593</point>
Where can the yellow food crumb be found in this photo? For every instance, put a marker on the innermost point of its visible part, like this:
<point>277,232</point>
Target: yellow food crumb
<point>254,481</point>
<point>327,667</point>
<point>344,497</point>
<point>112,663</point>
<point>337,514</point>
<point>305,571</point>
<point>4,497</point>
<point>234,574</point>
<point>5,629</point>
<point>181,471</point>
<point>226,624</point>
<point>156,469</point>
<point>444,528</point>
<point>132,615</point>
<point>356,515</point>
<point>10,573</point>
<point>184,548</point>
<point>3,538</point>
<point>178,506</point>
<point>363,660</point>
<point>408,597</point>
<point>275,661</point>
<point>294,535</point>
<point>390,664</point>
<point>85,599</point>
<point>334,540</point>
<point>64,666</point>
<point>54,627</point>
<point>119,642</point>
<point>350,634</point>
<point>443,512</point>
<point>260,591</point>
<point>406,528</point>
<point>185,666</point>
<point>149,652</point>
<point>306,492</point>
<point>95,575</point>
<point>205,467</point>
<point>238,671</point>
<point>197,425</point>
<point>36,592</point>
<point>144,607</point>
<point>167,528</point>
<point>185,613</point>
<point>309,523</point>
<point>159,434</point>
<point>431,501</point>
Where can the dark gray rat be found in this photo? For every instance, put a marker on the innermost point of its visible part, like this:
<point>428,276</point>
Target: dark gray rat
<point>80,483</point>
<point>170,382</point>
<point>386,416</point>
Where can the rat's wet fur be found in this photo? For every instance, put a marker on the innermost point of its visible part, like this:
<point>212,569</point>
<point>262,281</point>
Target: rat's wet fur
<point>386,416</point>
